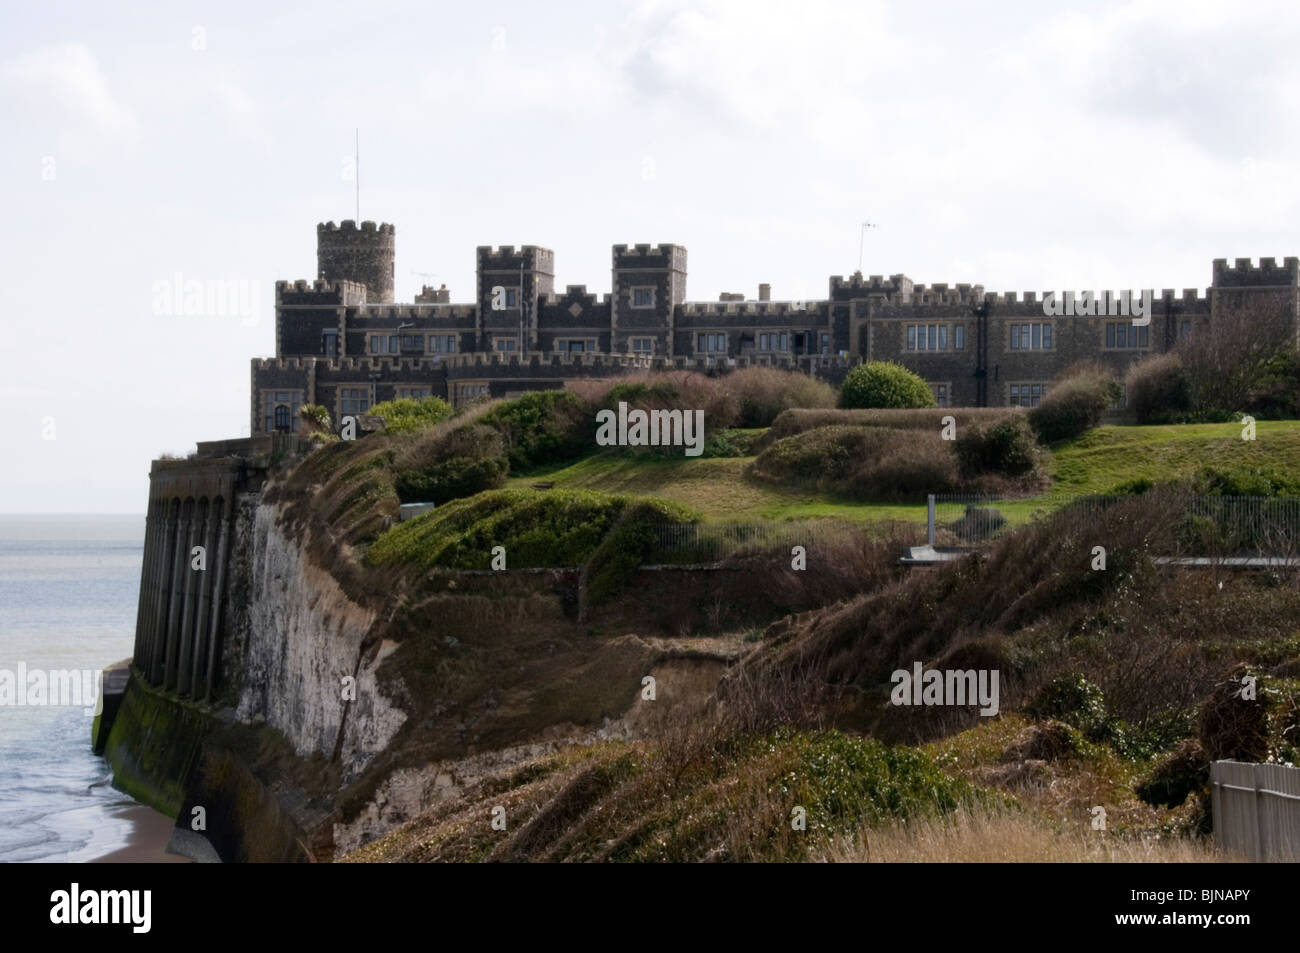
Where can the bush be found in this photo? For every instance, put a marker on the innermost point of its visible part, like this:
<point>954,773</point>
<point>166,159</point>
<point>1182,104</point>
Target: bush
<point>1275,392</point>
<point>921,463</point>
<point>1075,404</point>
<point>406,415</point>
<point>466,461</point>
<point>766,392</point>
<point>877,463</point>
<point>1006,448</point>
<point>884,384</point>
<point>314,421</point>
<point>1070,698</point>
<point>1183,771</point>
<point>541,427</point>
<point>1233,728</point>
<point>1159,390</point>
<point>824,457</point>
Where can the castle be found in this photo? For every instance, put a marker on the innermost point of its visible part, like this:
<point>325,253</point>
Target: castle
<point>342,342</point>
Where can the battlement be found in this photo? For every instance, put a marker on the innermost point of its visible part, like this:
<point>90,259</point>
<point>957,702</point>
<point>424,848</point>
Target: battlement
<point>349,227</point>
<point>346,292</point>
<point>1242,274</point>
<point>529,257</point>
<point>282,363</point>
<point>479,360</point>
<point>631,251</point>
<point>1190,296</point>
<point>649,256</point>
<point>721,308</point>
<point>899,283</point>
<point>422,310</point>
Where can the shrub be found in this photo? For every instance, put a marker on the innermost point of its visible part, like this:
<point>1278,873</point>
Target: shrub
<point>918,463</point>
<point>1075,404</point>
<point>541,427</point>
<point>884,384</point>
<point>1005,448</point>
<point>1275,392</point>
<point>1159,389</point>
<point>823,457</point>
<point>466,461</point>
<point>1233,728</point>
<point>1183,771</point>
<point>764,393</point>
<point>1070,698</point>
<point>406,415</point>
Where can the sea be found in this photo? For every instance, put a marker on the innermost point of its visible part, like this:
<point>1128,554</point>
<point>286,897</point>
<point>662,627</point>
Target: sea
<point>68,590</point>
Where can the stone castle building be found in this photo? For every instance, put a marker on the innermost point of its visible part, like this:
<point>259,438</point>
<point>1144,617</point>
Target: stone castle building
<point>341,341</point>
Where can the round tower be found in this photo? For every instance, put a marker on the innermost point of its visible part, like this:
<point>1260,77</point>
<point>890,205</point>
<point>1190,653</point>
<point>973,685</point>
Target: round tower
<point>364,254</point>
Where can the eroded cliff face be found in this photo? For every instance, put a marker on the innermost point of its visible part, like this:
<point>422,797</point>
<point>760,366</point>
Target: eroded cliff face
<point>301,638</point>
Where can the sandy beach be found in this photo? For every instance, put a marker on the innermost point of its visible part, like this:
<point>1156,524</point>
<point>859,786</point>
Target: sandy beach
<point>150,831</point>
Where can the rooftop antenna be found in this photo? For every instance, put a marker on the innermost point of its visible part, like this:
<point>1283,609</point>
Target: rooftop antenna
<point>861,237</point>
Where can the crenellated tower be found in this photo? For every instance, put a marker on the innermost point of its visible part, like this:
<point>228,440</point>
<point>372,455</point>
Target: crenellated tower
<point>366,254</point>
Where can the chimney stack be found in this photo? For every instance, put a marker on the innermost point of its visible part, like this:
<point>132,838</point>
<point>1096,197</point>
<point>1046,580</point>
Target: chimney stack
<point>764,292</point>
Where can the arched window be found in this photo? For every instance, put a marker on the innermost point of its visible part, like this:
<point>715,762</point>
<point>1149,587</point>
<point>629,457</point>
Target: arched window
<point>282,418</point>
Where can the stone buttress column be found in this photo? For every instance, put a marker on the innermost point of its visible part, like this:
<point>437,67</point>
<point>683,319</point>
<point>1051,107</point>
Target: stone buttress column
<point>197,656</point>
<point>179,571</point>
<point>218,597</point>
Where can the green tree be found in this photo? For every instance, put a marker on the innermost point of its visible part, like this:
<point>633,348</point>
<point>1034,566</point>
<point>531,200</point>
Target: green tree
<point>884,384</point>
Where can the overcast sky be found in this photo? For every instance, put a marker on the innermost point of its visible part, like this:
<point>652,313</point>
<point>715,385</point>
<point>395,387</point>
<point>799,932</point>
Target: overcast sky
<point>1018,145</point>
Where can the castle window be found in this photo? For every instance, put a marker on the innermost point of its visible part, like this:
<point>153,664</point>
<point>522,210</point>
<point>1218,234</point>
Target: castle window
<point>575,345</point>
<point>1026,395</point>
<point>1186,330</point>
<point>826,343</point>
<point>774,341</point>
<point>329,343</point>
<point>711,343</point>
<point>643,345</point>
<point>442,344</point>
<point>927,337</point>
<point>465,393</point>
<point>384,344</point>
<point>512,297</point>
<point>354,400</point>
<point>643,297</point>
<point>940,392</point>
<point>506,344</point>
<point>412,342</point>
<point>959,337</point>
<point>1125,334</point>
<point>1026,337</point>
<point>281,409</point>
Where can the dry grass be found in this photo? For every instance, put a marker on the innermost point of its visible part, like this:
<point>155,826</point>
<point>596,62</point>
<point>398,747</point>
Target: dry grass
<point>990,835</point>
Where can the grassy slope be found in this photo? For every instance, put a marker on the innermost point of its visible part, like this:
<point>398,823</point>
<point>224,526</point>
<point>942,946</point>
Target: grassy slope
<point>1095,463</point>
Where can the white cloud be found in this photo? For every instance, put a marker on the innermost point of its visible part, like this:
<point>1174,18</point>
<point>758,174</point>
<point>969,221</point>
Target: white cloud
<point>64,83</point>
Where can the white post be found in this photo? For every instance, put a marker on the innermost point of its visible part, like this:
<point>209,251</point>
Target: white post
<point>930,520</point>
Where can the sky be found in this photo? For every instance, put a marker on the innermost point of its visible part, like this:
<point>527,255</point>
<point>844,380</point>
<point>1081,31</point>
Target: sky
<point>1021,146</point>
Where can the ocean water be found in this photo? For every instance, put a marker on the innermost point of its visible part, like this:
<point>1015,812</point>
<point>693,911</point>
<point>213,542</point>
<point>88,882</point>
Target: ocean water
<point>68,590</point>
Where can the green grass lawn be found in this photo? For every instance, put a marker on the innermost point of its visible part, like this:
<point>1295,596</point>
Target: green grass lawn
<point>1095,463</point>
